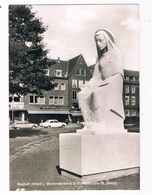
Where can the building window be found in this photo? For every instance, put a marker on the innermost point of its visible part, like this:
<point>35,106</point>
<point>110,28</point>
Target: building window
<point>63,86</point>
<point>15,99</point>
<point>134,79</point>
<point>56,100</point>
<point>57,87</point>
<point>127,78</point>
<point>61,100</point>
<point>126,88</point>
<point>126,100</point>
<point>74,95</point>
<point>51,100</point>
<point>58,73</point>
<point>80,83</point>
<point>31,99</point>
<point>133,100</point>
<point>47,72</point>
<point>133,113</point>
<point>74,83</point>
<point>127,113</point>
<point>42,100</point>
<point>83,72</point>
<point>34,99</point>
<point>78,72</point>
<point>133,89</point>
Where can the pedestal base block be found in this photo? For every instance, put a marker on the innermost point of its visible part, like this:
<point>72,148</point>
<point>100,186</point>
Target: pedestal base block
<point>85,155</point>
<point>100,176</point>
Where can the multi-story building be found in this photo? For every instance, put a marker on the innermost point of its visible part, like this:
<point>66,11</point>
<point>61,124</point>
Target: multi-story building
<point>61,103</point>
<point>131,96</point>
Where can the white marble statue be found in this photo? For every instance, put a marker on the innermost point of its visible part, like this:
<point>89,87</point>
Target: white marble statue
<point>100,99</point>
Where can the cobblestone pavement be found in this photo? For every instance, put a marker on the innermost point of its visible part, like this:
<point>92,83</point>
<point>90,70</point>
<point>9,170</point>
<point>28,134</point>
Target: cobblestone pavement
<point>36,167</point>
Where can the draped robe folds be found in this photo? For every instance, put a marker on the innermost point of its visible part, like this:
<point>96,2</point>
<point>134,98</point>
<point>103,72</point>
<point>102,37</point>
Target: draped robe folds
<point>100,99</point>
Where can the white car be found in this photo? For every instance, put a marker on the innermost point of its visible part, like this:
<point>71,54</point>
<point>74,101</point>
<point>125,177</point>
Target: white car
<point>24,125</point>
<point>52,123</point>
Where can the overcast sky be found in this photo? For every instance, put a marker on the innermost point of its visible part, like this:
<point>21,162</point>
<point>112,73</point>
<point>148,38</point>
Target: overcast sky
<point>71,30</point>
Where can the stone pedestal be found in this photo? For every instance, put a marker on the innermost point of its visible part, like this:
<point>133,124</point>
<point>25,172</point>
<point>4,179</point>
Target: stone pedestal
<point>86,155</point>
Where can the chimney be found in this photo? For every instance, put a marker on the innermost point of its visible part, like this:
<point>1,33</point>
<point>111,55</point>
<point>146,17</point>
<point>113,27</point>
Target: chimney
<point>58,60</point>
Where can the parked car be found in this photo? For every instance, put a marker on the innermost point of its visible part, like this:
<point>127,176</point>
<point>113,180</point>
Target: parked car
<point>24,125</point>
<point>52,123</point>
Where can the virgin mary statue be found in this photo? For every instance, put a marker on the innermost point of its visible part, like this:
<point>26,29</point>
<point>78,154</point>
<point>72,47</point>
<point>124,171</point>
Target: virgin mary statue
<point>100,99</point>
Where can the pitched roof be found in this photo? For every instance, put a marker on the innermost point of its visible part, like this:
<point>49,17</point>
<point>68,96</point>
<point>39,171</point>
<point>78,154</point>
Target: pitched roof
<point>72,63</point>
<point>66,66</point>
<point>59,65</point>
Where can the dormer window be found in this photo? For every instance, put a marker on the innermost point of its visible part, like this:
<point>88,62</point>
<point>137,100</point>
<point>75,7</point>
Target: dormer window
<point>47,72</point>
<point>58,73</point>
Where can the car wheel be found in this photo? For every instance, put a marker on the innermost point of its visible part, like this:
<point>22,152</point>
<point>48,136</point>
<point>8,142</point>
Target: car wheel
<point>33,127</point>
<point>62,125</point>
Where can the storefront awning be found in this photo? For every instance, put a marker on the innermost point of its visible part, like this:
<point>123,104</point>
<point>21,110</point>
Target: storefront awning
<point>17,109</point>
<point>48,112</point>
